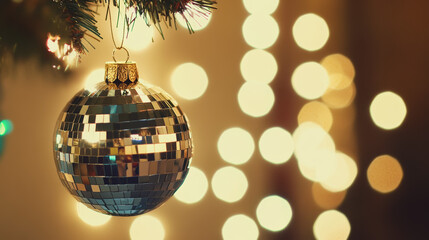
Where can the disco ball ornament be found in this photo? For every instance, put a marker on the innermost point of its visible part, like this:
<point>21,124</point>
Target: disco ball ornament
<point>124,147</point>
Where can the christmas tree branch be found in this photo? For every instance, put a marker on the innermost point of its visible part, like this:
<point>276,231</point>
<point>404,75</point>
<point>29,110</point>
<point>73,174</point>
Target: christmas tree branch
<point>79,14</point>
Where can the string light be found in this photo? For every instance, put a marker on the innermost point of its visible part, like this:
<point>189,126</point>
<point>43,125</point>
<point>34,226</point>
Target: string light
<point>274,213</point>
<point>310,31</point>
<point>388,110</point>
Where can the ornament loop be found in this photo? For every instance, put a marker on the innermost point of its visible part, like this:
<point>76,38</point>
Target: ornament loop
<point>114,51</point>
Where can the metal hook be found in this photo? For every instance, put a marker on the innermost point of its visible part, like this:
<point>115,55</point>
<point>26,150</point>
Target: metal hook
<point>114,51</point>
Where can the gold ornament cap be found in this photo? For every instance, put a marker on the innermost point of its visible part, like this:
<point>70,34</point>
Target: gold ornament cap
<point>121,75</point>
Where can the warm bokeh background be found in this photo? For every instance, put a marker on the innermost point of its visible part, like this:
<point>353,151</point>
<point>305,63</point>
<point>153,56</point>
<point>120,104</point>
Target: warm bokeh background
<point>371,48</point>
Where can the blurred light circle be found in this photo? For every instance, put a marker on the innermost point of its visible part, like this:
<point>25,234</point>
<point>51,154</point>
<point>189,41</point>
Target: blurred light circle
<point>331,225</point>
<point>310,31</point>
<point>260,31</point>
<point>90,216</point>
<point>315,151</point>
<point>342,98</point>
<point>316,112</point>
<point>388,110</point>
<point>261,7</point>
<point>258,66</point>
<point>326,199</point>
<point>276,145</point>
<point>236,145</point>
<point>256,99</point>
<point>229,184</point>
<point>344,174</point>
<point>385,174</point>
<point>6,127</point>
<point>340,69</point>
<point>196,18</point>
<point>138,37</point>
<point>310,80</point>
<point>194,188</point>
<point>95,77</point>
<point>274,213</point>
<point>147,227</point>
<point>189,81</point>
<point>240,227</point>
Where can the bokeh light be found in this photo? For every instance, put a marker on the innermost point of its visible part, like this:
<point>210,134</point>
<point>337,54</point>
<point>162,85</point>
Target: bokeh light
<point>385,174</point>
<point>310,80</point>
<point>197,19</point>
<point>261,7</point>
<point>315,151</point>
<point>95,77</point>
<point>189,81</point>
<point>229,184</point>
<point>276,145</point>
<point>274,213</point>
<point>388,110</point>
<point>260,31</point>
<point>342,98</point>
<point>90,216</point>
<point>256,99</point>
<point>326,199</point>
<point>331,225</point>
<point>236,145</point>
<point>340,69</point>
<point>6,127</point>
<point>194,188</point>
<point>139,36</point>
<point>316,112</point>
<point>310,31</point>
<point>147,227</point>
<point>344,174</point>
<point>258,66</point>
<point>240,227</point>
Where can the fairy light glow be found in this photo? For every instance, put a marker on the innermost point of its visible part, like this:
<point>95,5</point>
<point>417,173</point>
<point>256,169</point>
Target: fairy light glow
<point>330,225</point>
<point>147,227</point>
<point>315,151</point>
<point>343,175</point>
<point>139,36</point>
<point>53,44</point>
<point>90,216</point>
<point>276,145</point>
<point>95,77</point>
<point>197,19</point>
<point>274,213</point>
<point>385,174</point>
<point>310,31</point>
<point>189,81</point>
<point>261,7</point>
<point>6,127</point>
<point>194,188</point>
<point>326,199</point>
<point>388,110</point>
<point>340,69</point>
<point>260,31</point>
<point>66,53</point>
<point>316,112</point>
<point>256,99</point>
<point>258,66</point>
<point>240,227</point>
<point>310,80</point>
<point>229,184</point>
<point>236,145</point>
<point>342,98</point>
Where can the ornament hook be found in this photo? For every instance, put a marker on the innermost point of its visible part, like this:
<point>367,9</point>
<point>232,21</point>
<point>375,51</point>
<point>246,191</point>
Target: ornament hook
<point>121,48</point>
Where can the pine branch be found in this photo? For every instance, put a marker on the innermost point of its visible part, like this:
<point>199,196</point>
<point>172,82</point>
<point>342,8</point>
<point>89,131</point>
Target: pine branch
<point>79,18</point>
